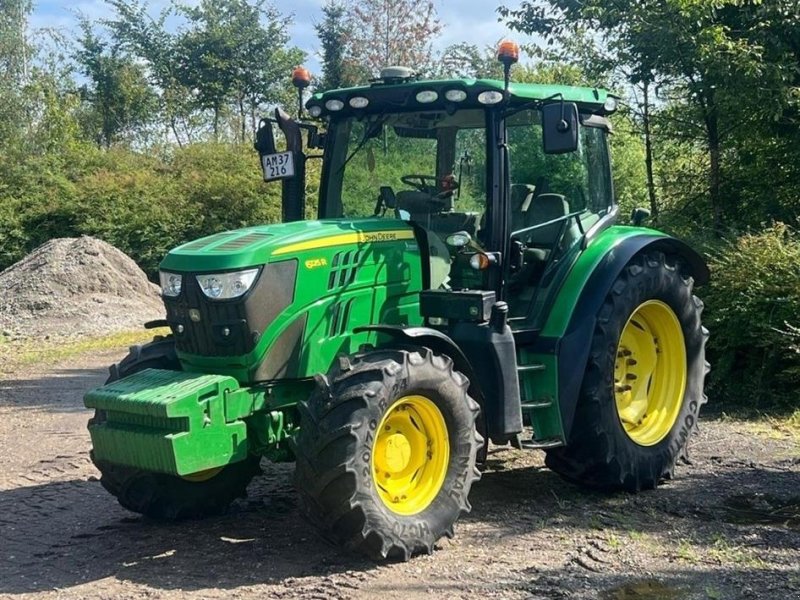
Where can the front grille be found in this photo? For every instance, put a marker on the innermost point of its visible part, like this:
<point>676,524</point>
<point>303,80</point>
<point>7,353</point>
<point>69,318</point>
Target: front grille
<point>204,321</point>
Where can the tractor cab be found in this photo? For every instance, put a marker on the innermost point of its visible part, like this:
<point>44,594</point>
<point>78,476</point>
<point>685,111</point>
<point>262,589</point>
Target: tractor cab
<point>500,181</point>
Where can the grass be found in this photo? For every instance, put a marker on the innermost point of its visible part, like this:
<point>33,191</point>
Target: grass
<point>780,427</point>
<point>38,352</point>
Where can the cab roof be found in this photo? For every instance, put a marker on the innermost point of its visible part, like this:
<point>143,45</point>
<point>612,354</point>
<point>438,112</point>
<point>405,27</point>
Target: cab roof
<point>402,96</point>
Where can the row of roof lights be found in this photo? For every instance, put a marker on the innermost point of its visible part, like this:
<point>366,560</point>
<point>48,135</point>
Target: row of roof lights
<point>423,97</point>
<point>488,97</point>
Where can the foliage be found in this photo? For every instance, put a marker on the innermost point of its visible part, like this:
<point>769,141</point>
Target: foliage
<point>753,311</point>
<point>333,33</point>
<point>392,32</point>
<point>143,205</point>
<point>226,62</point>
<point>119,99</point>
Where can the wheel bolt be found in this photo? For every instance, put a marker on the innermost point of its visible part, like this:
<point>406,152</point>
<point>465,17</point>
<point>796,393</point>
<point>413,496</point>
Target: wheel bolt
<point>630,362</point>
<point>631,376</point>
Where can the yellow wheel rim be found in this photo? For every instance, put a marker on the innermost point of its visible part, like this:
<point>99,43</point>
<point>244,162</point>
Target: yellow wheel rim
<point>410,455</point>
<point>201,476</point>
<point>650,373</point>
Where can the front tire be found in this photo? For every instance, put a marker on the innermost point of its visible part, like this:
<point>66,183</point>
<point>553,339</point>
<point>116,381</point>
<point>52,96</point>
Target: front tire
<point>643,385</point>
<point>162,496</point>
<point>386,452</point>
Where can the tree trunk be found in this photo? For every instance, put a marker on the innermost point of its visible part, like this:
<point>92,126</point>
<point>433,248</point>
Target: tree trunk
<point>648,153</point>
<point>216,123</point>
<point>242,120</point>
<point>714,172</point>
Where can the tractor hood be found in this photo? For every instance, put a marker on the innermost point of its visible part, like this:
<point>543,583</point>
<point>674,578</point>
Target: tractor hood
<point>255,246</point>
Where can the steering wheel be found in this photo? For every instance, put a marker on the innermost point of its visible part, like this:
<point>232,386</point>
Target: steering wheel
<point>428,184</point>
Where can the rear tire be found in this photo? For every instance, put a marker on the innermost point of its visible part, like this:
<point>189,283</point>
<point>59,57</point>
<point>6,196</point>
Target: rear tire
<point>607,449</point>
<point>386,452</point>
<point>162,496</point>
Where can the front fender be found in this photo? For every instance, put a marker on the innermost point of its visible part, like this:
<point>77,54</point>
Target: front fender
<point>436,341</point>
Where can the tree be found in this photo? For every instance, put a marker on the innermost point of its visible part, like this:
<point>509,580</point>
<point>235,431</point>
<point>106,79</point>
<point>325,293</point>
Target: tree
<point>333,33</point>
<point>226,59</point>
<point>701,55</point>
<point>393,32</point>
<point>119,97</point>
<point>149,40</point>
<point>15,55</point>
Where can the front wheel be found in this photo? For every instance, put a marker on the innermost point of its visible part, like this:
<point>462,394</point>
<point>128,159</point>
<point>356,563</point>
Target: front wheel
<point>643,385</point>
<point>386,452</point>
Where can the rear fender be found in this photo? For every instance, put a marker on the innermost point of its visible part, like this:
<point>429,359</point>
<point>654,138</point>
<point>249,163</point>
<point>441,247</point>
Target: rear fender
<point>571,338</point>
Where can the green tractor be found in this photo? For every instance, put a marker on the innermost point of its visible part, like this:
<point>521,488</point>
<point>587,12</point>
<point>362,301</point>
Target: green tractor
<point>464,282</point>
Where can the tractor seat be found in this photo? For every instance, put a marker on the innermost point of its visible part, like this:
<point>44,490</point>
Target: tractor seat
<point>540,243</point>
<point>418,204</point>
<point>544,208</point>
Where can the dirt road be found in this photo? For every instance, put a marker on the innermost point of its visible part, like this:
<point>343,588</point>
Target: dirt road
<point>727,527</point>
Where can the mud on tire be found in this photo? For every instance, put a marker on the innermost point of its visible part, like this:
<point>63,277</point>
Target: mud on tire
<point>599,453</point>
<point>158,495</point>
<point>334,473</point>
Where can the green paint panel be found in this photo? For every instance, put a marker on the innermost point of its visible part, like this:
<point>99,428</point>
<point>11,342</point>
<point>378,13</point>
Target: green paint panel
<point>588,261</point>
<point>350,273</point>
<point>167,422</point>
<point>539,390</point>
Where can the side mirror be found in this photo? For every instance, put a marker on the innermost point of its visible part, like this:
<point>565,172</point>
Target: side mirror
<point>560,127</point>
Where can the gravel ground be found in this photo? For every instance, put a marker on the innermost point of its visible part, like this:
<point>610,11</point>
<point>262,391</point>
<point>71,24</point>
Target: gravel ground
<point>727,527</point>
<point>75,286</point>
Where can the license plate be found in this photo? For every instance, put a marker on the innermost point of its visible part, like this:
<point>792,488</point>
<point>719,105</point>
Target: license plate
<point>277,166</point>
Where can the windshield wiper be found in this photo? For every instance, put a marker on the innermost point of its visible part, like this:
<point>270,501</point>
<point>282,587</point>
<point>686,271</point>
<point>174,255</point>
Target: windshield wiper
<point>369,133</point>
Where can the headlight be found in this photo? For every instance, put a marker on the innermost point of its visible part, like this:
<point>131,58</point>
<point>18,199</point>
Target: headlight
<point>359,102</point>
<point>455,95</point>
<point>490,97</point>
<point>224,286</point>
<point>170,283</point>
<point>427,96</point>
<point>333,105</point>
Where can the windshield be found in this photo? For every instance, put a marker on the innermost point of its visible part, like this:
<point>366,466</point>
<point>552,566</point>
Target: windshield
<point>430,167</point>
<point>427,166</point>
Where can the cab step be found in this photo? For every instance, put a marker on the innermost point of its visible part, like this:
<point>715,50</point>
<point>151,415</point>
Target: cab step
<point>535,405</point>
<point>542,444</point>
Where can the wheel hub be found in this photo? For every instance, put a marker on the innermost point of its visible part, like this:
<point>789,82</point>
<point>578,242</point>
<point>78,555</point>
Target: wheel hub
<point>650,373</point>
<point>410,455</point>
<point>397,453</point>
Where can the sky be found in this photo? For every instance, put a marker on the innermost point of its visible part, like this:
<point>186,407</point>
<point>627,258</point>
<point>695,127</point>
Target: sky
<point>473,21</point>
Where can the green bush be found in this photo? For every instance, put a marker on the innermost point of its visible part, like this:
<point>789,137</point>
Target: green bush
<point>753,311</point>
<point>142,204</point>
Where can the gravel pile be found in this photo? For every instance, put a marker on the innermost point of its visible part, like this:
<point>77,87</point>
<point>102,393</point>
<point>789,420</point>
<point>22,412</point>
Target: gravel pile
<point>75,286</point>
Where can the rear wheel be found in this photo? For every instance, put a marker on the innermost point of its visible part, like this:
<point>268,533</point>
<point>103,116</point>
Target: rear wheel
<point>162,496</point>
<point>386,452</point>
<point>643,386</point>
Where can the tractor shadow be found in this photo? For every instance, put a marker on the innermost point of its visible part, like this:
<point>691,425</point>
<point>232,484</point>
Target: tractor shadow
<point>67,533</point>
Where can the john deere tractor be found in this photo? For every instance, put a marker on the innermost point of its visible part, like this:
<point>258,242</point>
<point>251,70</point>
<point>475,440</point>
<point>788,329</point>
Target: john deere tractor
<point>463,282</point>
